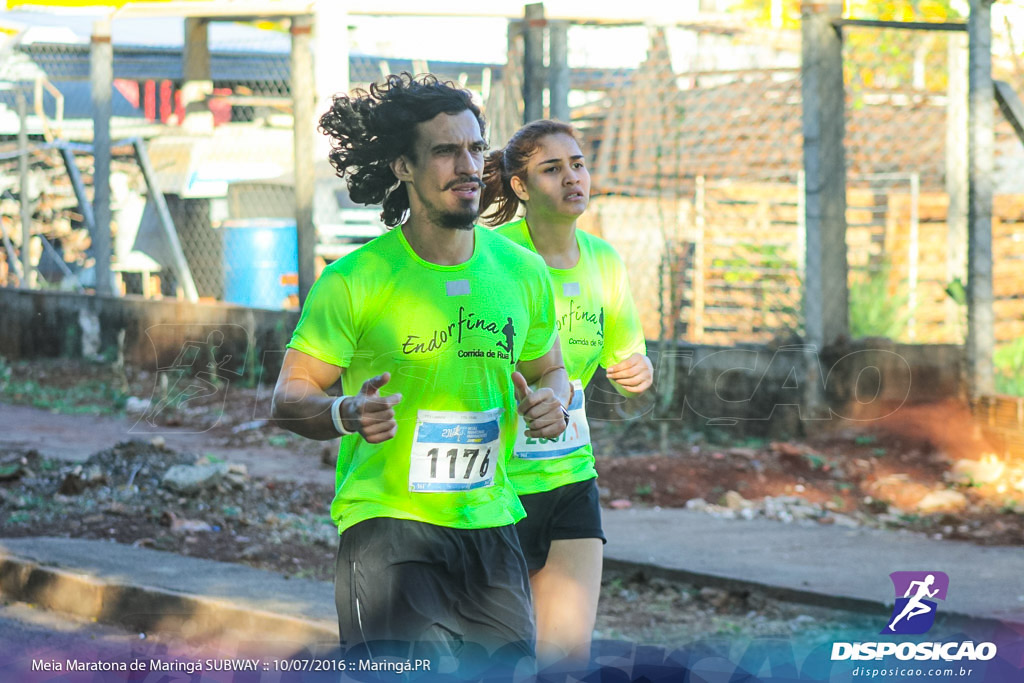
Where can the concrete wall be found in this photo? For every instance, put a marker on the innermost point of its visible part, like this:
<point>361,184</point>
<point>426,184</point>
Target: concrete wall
<point>157,333</point>
<point>752,390</point>
<point>762,390</point>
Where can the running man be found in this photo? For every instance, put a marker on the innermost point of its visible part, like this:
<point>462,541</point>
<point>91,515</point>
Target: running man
<point>914,606</point>
<point>543,170</point>
<point>435,329</point>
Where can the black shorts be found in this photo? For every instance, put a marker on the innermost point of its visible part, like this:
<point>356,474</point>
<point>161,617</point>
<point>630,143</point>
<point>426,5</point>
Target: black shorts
<point>570,511</point>
<point>405,588</point>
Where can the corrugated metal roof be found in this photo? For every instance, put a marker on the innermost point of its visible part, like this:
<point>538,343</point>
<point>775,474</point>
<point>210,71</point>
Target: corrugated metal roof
<point>140,32</point>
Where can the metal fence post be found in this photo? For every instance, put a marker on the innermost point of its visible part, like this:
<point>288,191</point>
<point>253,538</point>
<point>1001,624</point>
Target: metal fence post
<point>980,323</point>
<point>303,103</point>
<point>101,74</point>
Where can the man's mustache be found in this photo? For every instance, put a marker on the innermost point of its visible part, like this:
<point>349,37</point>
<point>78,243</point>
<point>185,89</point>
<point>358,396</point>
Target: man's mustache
<point>463,181</point>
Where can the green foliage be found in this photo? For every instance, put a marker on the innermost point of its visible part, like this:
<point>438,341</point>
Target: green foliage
<point>815,461</point>
<point>1008,361</point>
<point>956,291</point>
<point>875,310</point>
<point>278,440</point>
<point>5,372</point>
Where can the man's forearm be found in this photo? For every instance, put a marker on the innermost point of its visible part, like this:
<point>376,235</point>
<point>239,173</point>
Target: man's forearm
<point>557,379</point>
<point>307,414</point>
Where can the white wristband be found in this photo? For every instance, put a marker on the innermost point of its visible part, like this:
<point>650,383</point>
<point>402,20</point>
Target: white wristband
<point>339,426</point>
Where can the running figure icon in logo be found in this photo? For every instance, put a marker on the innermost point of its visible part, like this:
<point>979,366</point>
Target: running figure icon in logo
<point>914,613</point>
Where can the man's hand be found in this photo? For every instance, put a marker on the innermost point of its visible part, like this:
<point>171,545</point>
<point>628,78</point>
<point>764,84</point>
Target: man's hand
<point>369,413</point>
<point>541,409</point>
<point>634,374</point>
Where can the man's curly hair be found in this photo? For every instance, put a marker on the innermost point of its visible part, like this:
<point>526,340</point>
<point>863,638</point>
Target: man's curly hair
<point>369,130</point>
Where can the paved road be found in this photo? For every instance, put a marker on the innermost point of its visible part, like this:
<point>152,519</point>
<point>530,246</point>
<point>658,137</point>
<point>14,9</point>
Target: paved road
<point>32,639</point>
<point>76,437</point>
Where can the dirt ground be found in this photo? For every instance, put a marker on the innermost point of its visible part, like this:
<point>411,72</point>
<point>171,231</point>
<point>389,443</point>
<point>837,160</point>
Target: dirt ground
<point>924,468</point>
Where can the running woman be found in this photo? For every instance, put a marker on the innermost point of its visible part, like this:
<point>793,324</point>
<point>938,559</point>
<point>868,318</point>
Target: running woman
<point>434,329</point>
<point>542,169</point>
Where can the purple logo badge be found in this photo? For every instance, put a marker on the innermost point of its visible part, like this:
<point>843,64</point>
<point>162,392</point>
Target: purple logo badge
<point>914,611</point>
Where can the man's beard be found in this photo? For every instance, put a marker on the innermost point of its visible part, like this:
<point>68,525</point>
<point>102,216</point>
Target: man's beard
<point>453,220</point>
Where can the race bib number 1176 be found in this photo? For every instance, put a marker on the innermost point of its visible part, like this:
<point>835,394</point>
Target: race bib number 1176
<point>454,451</point>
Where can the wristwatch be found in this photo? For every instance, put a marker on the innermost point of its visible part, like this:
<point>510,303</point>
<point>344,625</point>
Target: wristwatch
<point>339,424</point>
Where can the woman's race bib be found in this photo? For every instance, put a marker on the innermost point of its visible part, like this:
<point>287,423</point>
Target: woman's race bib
<point>575,436</point>
<point>454,451</point>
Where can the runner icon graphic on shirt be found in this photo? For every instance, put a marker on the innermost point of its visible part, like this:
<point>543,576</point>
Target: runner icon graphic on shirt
<point>510,335</point>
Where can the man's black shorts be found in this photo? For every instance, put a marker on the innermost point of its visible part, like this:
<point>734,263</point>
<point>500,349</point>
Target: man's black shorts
<point>570,511</point>
<point>443,592</point>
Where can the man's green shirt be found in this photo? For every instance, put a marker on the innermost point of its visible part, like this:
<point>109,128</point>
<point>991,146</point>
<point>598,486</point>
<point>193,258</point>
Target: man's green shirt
<point>450,336</point>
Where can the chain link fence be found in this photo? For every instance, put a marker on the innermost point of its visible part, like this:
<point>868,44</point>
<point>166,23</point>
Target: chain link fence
<point>695,152</point>
<point>697,183</point>
<point>907,191</point>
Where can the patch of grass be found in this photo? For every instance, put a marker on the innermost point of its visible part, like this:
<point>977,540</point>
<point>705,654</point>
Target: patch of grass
<point>643,490</point>
<point>614,584</point>
<point>91,397</point>
<point>728,628</point>
<point>877,309</point>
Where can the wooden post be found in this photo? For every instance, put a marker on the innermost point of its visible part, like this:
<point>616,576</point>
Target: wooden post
<point>101,76</point>
<point>956,170</point>
<point>558,70</point>
<point>533,63</point>
<point>198,83</point>
<point>27,272</point>
<point>825,286</point>
<point>914,254</point>
<point>700,225</point>
<point>303,102</point>
<point>330,68</point>
<point>980,319</point>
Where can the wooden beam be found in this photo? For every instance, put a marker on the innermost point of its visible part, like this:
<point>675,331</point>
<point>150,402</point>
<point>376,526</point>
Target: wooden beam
<point>904,25</point>
<point>1010,105</point>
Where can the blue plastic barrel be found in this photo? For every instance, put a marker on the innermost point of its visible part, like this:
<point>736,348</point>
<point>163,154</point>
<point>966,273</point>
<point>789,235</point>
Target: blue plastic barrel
<point>261,262</point>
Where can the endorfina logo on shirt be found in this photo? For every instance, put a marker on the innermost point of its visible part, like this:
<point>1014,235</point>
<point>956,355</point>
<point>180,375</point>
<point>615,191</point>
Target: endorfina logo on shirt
<point>579,315</point>
<point>453,333</point>
<point>913,614</point>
